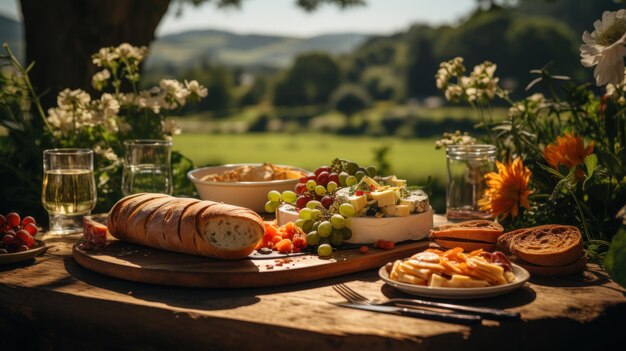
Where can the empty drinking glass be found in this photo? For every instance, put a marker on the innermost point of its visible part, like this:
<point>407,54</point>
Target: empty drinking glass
<point>147,167</point>
<point>467,167</point>
<point>69,188</point>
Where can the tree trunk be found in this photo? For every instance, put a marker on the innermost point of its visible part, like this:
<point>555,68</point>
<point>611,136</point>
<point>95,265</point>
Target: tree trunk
<point>61,36</point>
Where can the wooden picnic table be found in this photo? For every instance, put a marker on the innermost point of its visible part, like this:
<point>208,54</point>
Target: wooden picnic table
<point>53,303</point>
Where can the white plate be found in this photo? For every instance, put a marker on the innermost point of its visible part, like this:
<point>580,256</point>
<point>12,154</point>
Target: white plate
<point>521,277</point>
<point>24,255</point>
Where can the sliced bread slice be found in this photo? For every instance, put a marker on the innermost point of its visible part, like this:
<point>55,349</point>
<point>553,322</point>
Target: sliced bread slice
<point>548,245</point>
<point>575,267</point>
<point>504,241</point>
<point>477,230</point>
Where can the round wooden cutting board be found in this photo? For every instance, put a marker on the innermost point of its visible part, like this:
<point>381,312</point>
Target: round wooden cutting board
<point>146,265</point>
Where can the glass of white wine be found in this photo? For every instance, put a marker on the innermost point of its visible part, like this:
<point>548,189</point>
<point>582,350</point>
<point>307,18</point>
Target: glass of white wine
<point>69,188</point>
<point>147,167</point>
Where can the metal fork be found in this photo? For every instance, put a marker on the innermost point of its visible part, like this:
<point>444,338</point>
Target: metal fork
<point>490,313</point>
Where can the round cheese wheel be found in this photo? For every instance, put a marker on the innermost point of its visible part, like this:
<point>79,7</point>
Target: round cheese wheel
<point>367,230</point>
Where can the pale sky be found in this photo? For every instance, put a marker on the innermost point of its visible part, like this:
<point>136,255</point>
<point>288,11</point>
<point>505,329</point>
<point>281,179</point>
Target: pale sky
<point>285,18</point>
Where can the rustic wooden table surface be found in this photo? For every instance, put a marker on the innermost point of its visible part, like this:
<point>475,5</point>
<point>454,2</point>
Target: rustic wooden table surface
<point>52,303</point>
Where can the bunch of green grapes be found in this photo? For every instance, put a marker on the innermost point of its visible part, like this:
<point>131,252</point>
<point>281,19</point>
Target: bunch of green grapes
<point>325,228</point>
<point>350,173</point>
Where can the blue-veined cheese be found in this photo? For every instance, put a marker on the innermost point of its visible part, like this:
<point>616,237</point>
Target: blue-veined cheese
<point>417,201</point>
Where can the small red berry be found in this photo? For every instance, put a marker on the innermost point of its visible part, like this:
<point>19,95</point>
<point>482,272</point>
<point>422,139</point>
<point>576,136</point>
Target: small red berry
<point>2,220</point>
<point>8,239</point>
<point>13,219</point>
<point>22,248</point>
<point>25,237</point>
<point>28,219</point>
<point>31,228</point>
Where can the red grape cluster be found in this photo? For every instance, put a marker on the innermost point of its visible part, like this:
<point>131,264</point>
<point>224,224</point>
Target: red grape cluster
<point>16,234</point>
<point>320,187</point>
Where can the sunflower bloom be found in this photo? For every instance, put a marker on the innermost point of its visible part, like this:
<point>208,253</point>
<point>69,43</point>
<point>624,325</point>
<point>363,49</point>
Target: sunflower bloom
<point>506,190</point>
<point>568,150</point>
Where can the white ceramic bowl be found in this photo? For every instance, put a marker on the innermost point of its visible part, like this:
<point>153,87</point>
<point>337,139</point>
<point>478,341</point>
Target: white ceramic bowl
<point>252,195</point>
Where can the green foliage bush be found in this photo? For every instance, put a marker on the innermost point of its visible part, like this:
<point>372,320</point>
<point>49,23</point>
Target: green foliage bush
<point>310,80</point>
<point>350,99</point>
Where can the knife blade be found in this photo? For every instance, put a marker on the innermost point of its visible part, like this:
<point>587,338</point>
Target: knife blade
<point>417,313</point>
<point>485,312</point>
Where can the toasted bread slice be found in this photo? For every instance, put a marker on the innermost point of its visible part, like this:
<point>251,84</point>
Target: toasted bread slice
<point>504,241</point>
<point>548,245</point>
<point>467,245</point>
<point>478,230</point>
<point>575,267</point>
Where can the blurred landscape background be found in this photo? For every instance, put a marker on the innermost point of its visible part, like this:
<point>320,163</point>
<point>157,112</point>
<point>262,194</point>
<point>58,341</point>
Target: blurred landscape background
<point>355,83</point>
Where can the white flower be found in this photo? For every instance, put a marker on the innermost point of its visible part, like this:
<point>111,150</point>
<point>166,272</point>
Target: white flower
<point>102,75</point>
<point>170,127</point>
<point>453,92</point>
<point>60,119</point>
<point>73,99</point>
<point>447,70</point>
<point>604,48</point>
<point>105,57</point>
<point>196,89</point>
<point>125,50</point>
<point>109,105</point>
<point>108,153</point>
<point>173,90</point>
<point>99,80</point>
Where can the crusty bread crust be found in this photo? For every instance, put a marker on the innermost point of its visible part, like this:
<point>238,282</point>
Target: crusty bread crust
<point>573,268</point>
<point>477,230</point>
<point>548,245</point>
<point>181,225</point>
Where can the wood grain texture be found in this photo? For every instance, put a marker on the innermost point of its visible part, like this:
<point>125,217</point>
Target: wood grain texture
<point>146,265</point>
<point>53,303</point>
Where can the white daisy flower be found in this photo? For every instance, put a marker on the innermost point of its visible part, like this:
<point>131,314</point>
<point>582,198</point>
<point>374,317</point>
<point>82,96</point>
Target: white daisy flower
<point>604,48</point>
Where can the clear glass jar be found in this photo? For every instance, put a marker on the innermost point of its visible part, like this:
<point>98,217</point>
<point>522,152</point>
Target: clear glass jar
<point>467,166</point>
<point>147,167</point>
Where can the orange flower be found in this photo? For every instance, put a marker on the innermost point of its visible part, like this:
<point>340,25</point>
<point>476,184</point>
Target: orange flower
<point>568,150</point>
<point>507,189</point>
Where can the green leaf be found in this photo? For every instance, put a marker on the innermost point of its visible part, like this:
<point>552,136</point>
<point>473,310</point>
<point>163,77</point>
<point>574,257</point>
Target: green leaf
<point>591,162</point>
<point>615,260</point>
<point>551,170</point>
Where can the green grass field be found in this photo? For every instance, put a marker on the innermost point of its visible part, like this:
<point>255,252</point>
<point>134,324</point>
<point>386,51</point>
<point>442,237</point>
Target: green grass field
<point>412,159</point>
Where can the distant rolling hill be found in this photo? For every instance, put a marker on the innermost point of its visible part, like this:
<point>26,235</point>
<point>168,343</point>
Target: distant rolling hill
<point>187,48</point>
<point>245,49</point>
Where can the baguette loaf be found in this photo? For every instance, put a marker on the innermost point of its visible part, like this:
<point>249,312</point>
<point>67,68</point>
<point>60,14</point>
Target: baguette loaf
<point>548,245</point>
<point>189,226</point>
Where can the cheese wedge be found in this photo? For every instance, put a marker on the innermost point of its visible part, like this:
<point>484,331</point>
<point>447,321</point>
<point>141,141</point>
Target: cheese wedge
<point>397,211</point>
<point>358,202</point>
<point>385,197</point>
<point>371,182</point>
<point>417,201</point>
